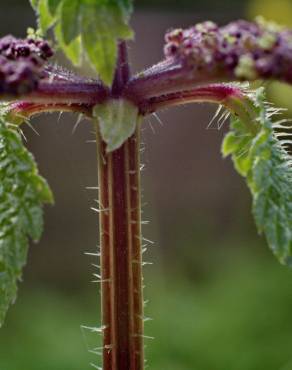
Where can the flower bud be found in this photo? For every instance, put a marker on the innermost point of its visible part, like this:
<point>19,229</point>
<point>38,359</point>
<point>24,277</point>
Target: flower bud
<point>21,64</point>
<point>240,50</point>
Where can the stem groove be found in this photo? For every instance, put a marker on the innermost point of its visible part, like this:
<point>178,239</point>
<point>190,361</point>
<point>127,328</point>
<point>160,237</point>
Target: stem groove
<point>121,255</point>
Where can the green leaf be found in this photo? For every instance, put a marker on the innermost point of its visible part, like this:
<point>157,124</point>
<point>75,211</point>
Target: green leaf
<point>261,157</point>
<point>100,24</point>
<point>53,6</point>
<point>70,20</point>
<point>102,54</point>
<point>22,193</point>
<point>73,51</point>
<point>117,120</point>
<point>46,20</point>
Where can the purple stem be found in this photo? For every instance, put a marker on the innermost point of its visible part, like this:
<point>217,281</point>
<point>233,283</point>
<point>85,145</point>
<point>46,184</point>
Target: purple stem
<point>68,93</point>
<point>217,93</point>
<point>167,78</point>
<point>122,74</point>
<point>120,239</point>
<point>232,97</point>
<point>26,109</point>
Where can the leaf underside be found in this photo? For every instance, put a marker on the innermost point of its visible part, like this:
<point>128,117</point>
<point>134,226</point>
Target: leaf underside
<point>87,27</point>
<point>263,159</point>
<point>22,193</point>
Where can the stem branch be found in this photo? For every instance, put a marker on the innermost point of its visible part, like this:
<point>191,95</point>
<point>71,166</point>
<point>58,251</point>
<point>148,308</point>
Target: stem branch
<point>25,109</point>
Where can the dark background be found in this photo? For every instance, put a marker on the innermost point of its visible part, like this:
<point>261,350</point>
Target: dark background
<point>219,299</point>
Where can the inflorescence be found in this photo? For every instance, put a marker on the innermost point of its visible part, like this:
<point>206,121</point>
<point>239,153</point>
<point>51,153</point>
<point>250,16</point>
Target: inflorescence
<point>21,63</point>
<point>240,49</point>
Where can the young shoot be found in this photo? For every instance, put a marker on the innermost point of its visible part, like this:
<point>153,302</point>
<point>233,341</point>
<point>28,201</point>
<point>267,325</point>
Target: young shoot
<point>203,63</point>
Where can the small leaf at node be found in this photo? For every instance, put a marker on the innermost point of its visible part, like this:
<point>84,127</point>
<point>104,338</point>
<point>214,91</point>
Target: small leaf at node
<point>117,120</point>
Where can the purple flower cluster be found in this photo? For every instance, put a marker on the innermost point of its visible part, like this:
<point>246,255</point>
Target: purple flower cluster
<point>21,63</point>
<point>240,49</point>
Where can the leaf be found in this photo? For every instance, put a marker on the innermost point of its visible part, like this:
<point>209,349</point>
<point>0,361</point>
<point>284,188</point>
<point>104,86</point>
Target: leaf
<point>99,24</point>
<point>73,51</point>
<point>102,54</point>
<point>70,20</point>
<point>22,193</point>
<point>46,20</point>
<point>117,120</point>
<point>101,27</point>
<point>261,157</point>
<point>53,6</point>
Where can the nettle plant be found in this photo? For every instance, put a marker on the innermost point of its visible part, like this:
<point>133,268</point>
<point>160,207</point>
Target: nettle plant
<point>204,63</point>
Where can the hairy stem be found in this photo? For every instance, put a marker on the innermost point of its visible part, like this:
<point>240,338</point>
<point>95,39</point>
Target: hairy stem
<point>88,93</point>
<point>121,256</point>
<point>25,109</point>
<point>165,78</point>
<point>215,93</point>
<point>231,96</point>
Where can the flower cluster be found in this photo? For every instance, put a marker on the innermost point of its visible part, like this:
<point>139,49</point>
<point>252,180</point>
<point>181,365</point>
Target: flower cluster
<point>21,63</point>
<point>240,49</point>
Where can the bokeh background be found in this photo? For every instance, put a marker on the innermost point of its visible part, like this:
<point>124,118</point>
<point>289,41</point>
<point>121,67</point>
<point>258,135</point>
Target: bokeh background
<point>218,298</point>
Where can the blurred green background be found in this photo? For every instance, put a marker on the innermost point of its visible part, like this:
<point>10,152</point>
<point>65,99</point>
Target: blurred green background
<point>218,298</point>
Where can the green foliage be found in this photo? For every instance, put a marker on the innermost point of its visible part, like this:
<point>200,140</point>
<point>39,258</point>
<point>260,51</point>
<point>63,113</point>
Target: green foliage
<point>262,158</point>
<point>89,27</point>
<point>73,50</point>
<point>53,6</point>
<point>117,120</point>
<point>22,193</point>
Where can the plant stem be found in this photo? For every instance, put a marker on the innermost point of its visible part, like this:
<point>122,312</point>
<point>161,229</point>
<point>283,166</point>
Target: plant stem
<point>214,93</point>
<point>121,256</point>
<point>26,110</point>
<point>68,93</point>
